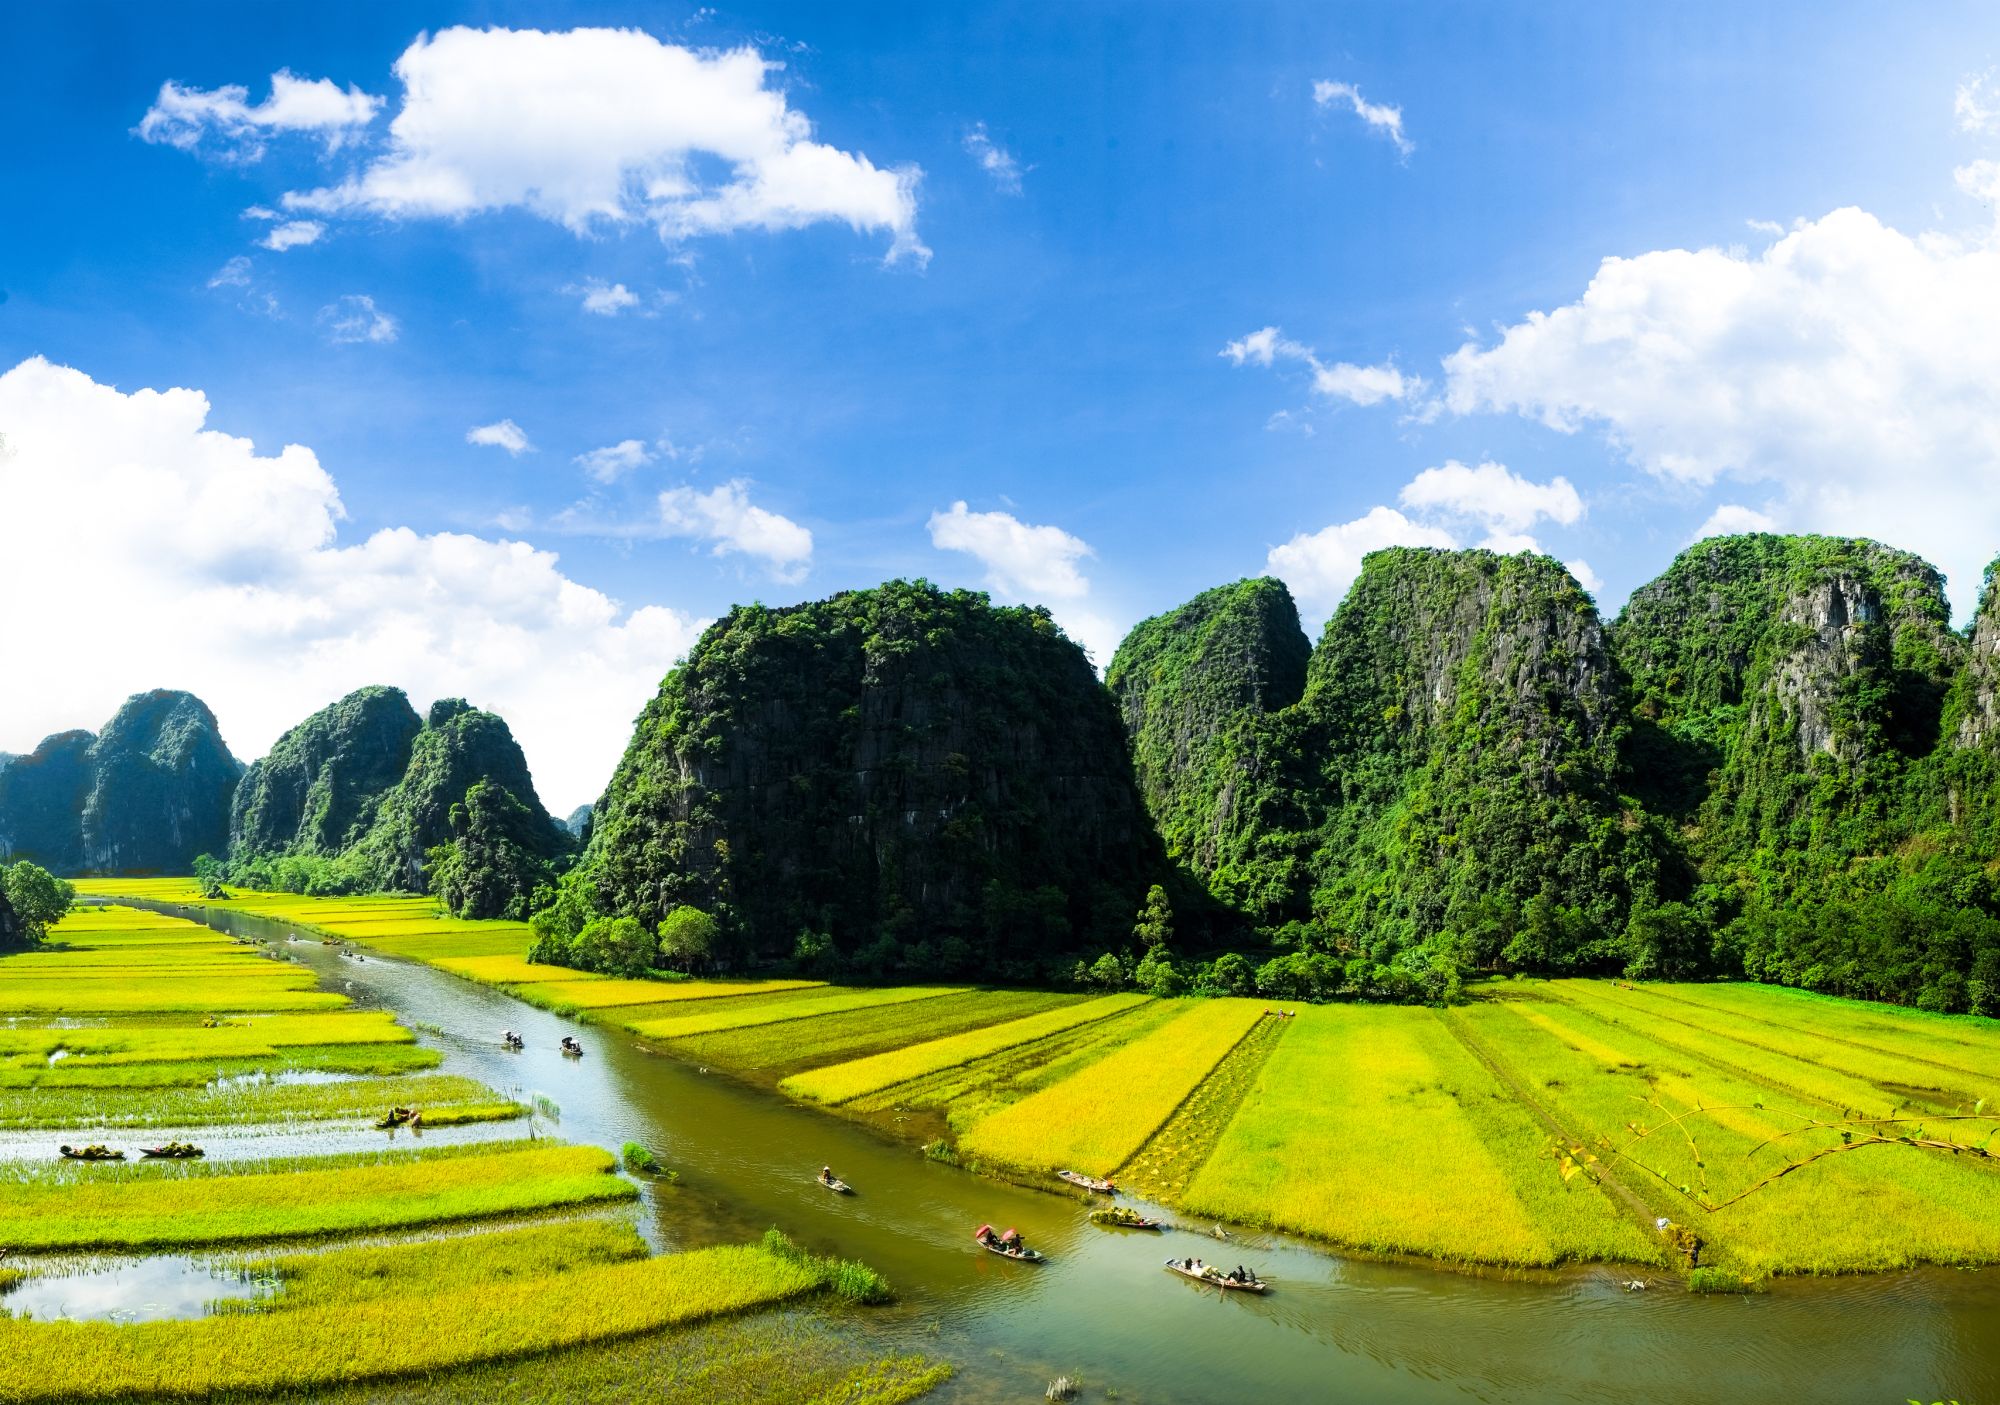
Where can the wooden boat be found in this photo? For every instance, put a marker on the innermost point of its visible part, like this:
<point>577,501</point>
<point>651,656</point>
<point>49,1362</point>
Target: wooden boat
<point>1023,1254</point>
<point>836,1185</point>
<point>1210,1276</point>
<point>401,1117</point>
<point>172,1151</point>
<point>93,1152</point>
<point>1118,1217</point>
<point>1096,1183</point>
<point>571,1048</point>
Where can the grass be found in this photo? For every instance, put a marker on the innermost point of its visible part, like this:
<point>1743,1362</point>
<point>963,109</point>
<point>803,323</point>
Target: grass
<point>444,1098</point>
<point>1096,1120</point>
<point>846,1081</point>
<point>603,992</point>
<point>136,1206</point>
<point>792,1355</point>
<point>777,1050</point>
<point>328,1058</point>
<point>1173,1155</point>
<point>1871,1209</point>
<point>427,1327</point>
<point>1370,1127</point>
<point>732,1014</point>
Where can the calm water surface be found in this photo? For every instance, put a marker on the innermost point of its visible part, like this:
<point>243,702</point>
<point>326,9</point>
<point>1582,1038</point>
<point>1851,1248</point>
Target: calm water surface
<point>1103,1308</point>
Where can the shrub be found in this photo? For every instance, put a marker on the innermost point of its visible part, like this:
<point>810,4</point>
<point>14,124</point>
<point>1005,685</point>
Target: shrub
<point>850,1278</point>
<point>687,939</point>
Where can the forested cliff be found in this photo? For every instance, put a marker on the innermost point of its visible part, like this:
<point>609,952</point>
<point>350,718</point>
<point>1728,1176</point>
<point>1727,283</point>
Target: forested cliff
<point>365,794</point>
<point>901,777</point>
<point>1779,761</point>
<point>145,795</point>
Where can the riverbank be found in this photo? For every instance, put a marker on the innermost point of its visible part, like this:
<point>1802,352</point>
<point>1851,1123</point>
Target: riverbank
<point>1544,1123</point>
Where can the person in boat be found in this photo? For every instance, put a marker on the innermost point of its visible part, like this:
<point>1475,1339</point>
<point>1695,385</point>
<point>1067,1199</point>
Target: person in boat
<point>984,1234</point>
<point>826,1175</point>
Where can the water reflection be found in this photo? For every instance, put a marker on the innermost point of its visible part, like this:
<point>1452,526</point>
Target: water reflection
<point>127,1290</point>
<point>1103,1306</point>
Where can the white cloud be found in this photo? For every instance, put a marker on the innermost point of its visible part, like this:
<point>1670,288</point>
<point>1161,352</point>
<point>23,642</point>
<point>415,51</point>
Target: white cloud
<point>1494,495</point>
<point>1022,562</point>
<point>614,461</point>
<point>234,274</point>
<point>223,573</point>
<point>610,127</point>
<point>355,318</point>
<point>1320,566</point>
<point>994,159</point>
<point>502,434</point>
<point>725,516</point>
<point>292,234</point>
<point>1732,518</point>
<point>1585,577</point>
<point>1979,179</point>
<point>1975,110</point>
<point>1362,385</point>
<point>604,299</point>
<point>1850,368</point>
<point>1036,565</point>
<point>223,117</point>
<point>1386,120</point>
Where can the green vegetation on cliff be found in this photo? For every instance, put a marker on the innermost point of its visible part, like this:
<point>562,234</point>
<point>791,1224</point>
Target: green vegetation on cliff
<point>146,795</point>
<point>897,778</point>
<point>365,795</point>
<point>1197,688</point>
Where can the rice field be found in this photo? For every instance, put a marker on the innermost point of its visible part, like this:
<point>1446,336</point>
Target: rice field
<point>74,1206</point>
<point>1385,1129</point>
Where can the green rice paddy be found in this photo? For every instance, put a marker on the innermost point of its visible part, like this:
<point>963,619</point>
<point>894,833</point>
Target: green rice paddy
<point>1389,1129</point>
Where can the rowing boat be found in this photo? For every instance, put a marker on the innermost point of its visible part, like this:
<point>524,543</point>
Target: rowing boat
<point>1096,1183</point>
<point>836,1185</point>
<point>1212,1277</point>
<point>172,1151</point>
<point>1023,1254</point>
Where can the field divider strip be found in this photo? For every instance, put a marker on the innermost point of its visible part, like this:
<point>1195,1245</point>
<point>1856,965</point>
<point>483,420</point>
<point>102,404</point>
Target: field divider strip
<point>1641,1208</point>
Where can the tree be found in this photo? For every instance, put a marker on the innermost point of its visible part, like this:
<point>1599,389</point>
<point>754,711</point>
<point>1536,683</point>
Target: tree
<point>1666,943</point>
<point>39,899</point>
<point>208,870</point>
<point>687,938</point>
<point>1157,975</point>
<point>1107,972</point>
<point>613,946</point>
<point>1155,927</point>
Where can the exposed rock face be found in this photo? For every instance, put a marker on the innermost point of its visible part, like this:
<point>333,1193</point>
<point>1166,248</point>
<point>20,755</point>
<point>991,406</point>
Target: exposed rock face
<point>1465,717</point>
<point>318,790</point>
<point>1194,687</point>
<point>1778,679</point>
<point>146,795</point>
<point>1978,711</point>
<point>578,823</point>
<point>899,763</point>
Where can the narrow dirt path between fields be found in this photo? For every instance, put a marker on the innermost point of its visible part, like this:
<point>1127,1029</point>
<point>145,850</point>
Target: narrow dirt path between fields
<point>1637,1205</point>
<point>1171,1157</point>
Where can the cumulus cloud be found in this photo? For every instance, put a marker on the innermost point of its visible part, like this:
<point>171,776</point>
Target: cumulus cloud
<point>604,299</point>
<point>1849,369</point>
<point>1022,562</point>
<point>614,461</point>
<point>1489,504</point>
<point>725,517</point>
<point>222,571</point>
<point>1340,380</point>
<point>356,318</point>
<point>1585,576</point>
<point>222,120</point>
<point>996,160</point>
<point>292,234</point>
<point>1732,518</point>
<point>1384,120</point>
<point>1494,495</point>
<point>1320,566</point>
<point>605,128</point>
<point>502,434</point>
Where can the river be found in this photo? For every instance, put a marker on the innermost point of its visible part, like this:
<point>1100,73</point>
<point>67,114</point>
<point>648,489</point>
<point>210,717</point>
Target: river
<point>1103,1309</point>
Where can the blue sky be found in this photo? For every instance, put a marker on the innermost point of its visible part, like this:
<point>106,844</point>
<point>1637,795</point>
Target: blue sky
<point>1012,278</point>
